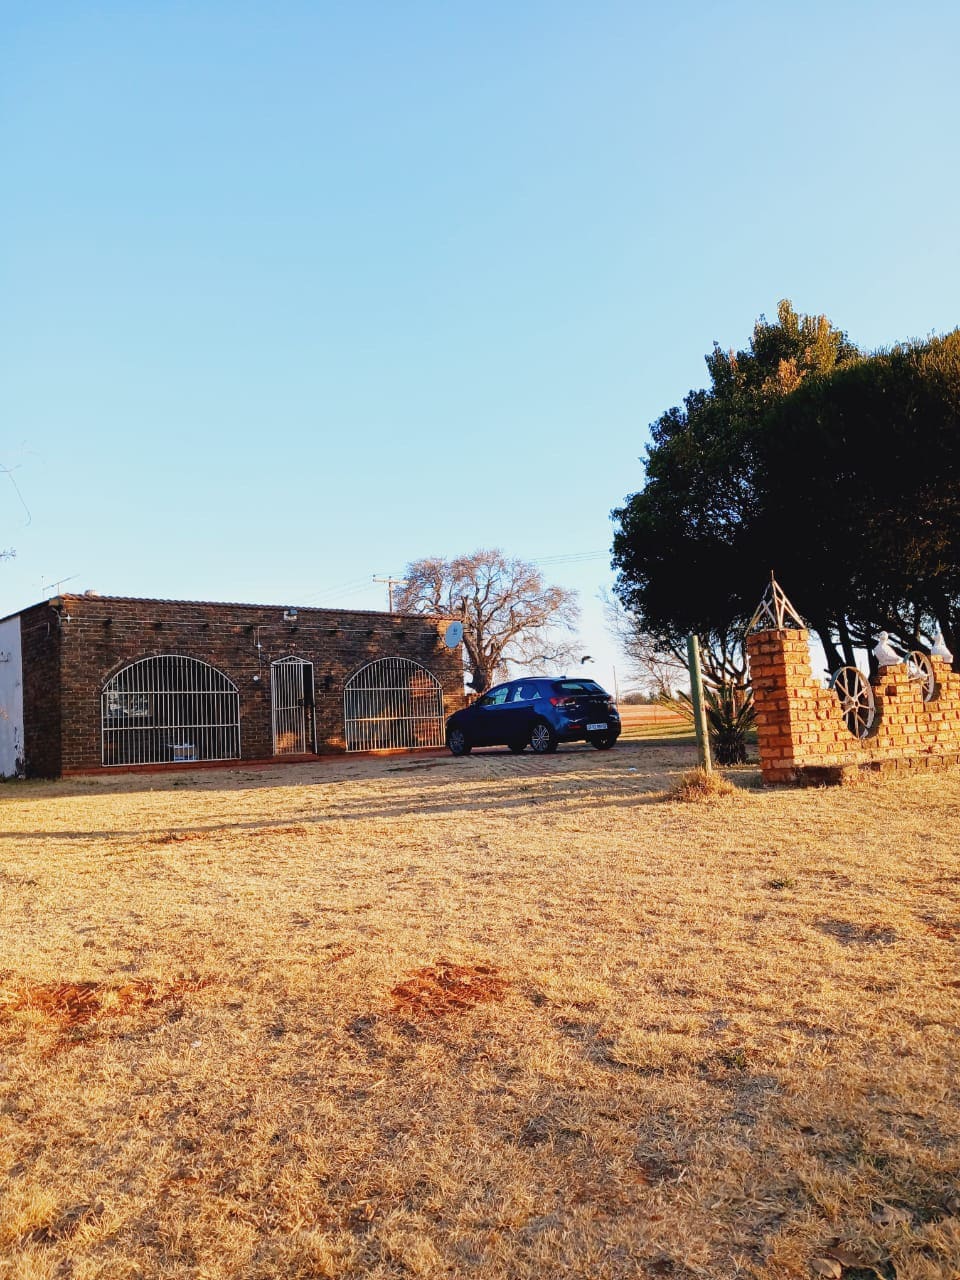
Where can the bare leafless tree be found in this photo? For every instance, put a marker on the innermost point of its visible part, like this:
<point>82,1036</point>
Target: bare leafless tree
<point>657,670</point>
<point>509,613</point>
<point>660,662</point>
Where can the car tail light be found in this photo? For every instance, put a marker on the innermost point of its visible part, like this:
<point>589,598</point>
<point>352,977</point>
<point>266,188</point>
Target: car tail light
<point>563,702</point>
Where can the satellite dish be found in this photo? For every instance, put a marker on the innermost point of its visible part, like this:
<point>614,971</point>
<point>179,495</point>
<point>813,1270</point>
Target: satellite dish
<point>453,635</point>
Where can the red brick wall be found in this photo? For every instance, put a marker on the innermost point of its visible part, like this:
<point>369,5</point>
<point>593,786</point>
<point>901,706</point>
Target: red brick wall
<point>104,634</point>
<point>801,729</point>
<point>40,642</point>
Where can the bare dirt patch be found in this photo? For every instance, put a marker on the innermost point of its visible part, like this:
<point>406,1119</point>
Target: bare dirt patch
<point>67,1006</point>
<point>444,988</point>
<point>74,1003</point>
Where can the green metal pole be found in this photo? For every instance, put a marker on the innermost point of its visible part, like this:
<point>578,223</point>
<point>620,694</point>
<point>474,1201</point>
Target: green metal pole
<point>696,697</point>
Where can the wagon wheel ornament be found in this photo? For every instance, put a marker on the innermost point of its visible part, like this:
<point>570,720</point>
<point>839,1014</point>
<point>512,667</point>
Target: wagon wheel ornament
<point>856,700</point>
<point>920,668</point>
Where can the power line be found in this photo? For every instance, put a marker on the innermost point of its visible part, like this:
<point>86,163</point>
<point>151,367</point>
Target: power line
<point>575,557</point>
<point>8,472</point>
<point>351,588</point>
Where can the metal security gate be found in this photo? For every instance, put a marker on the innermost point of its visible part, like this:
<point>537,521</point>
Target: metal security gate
<point>167,710</point>
<point>292,704</point>
<point>393,703</point>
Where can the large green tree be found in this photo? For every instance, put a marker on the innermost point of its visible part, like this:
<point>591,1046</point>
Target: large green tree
<point>840,471</point>
<point>859,477</point>
<point>684,545</point>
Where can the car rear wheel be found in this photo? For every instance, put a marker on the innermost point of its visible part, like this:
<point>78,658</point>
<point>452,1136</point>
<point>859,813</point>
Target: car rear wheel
<point>602,741</point>
<point>542,738</point>
<point>458,743</point>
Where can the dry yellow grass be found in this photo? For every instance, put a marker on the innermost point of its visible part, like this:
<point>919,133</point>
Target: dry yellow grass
<point>697,785</point>
<point>492,1017</point>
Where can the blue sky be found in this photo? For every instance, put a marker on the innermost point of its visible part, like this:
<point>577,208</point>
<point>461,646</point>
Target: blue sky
<point>295,293</point>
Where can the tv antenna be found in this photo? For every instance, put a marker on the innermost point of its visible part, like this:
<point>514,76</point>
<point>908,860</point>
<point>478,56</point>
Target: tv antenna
<point>57,582</point>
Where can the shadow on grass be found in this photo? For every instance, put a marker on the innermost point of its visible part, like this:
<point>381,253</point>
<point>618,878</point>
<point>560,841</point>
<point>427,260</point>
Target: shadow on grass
<point>497,781</point>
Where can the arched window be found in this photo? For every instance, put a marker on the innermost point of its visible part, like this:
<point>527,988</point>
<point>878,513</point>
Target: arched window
<point>392,702</point>
<point>168,709</point>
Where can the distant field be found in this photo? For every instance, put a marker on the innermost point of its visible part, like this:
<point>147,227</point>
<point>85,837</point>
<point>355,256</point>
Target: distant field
<point>645,713</point>
<point>641,723</point>
<point>501,1016</point>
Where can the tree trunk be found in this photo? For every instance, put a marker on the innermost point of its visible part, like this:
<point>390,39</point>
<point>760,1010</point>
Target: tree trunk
<point>846,644</point>
<point>479,679</point>
<point>825,636</point>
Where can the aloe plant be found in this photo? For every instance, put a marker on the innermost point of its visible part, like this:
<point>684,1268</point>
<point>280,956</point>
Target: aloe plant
<point>730,717</point>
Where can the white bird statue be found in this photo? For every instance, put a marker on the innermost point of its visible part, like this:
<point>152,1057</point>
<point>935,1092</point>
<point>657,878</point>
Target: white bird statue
<point>939,649</point>
<point>885,653</point>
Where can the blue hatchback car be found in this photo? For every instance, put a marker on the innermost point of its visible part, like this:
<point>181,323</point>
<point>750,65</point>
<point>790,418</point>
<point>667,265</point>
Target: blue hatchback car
<point>536,712</point>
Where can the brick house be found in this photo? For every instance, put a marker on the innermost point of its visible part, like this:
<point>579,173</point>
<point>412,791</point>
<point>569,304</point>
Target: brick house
<point>90,682</point>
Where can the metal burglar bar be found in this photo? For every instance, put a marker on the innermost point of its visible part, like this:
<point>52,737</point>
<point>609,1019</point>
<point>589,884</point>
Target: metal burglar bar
<point>168,709</point>
<point>291,699</point>
<point>393,703</point>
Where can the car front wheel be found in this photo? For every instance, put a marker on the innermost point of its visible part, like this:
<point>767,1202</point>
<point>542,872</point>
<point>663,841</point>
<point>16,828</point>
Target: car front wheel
<point>542,738</point>
<point>458,743</point>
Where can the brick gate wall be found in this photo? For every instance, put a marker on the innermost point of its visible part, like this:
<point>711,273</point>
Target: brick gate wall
<point>106,633</point>
<point>801,731</point>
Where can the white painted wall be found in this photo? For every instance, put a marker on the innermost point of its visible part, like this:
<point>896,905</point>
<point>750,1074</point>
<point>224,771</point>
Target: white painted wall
<point>11,698</point>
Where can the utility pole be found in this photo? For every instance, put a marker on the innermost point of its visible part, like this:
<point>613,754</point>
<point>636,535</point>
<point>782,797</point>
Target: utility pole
<point>696,697</point>
<point>391,583</point>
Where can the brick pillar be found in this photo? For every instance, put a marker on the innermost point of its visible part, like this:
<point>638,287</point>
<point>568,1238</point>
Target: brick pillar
<point>782,682</point>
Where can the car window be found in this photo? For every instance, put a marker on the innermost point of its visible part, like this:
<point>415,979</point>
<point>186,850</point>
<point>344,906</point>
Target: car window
<point>524,693</point>
<point>578,686</point>
<point>496,697</point>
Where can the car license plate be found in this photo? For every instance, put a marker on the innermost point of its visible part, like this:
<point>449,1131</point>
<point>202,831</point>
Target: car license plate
<point>591,727</point>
